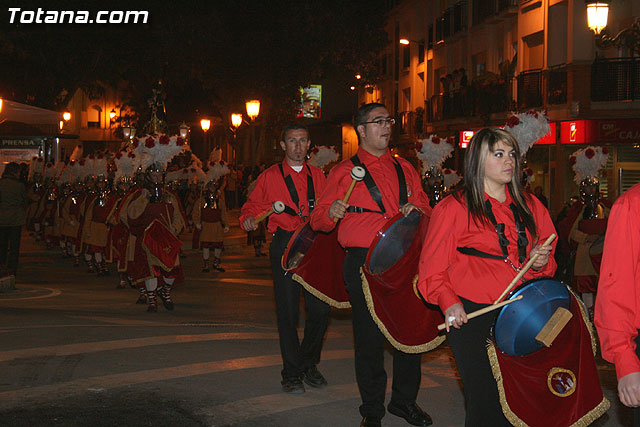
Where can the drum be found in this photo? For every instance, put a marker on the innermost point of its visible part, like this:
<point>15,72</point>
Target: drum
<point>389,271</point>
<point>518,323</point>
<point>315,261</point>
<point>161,246</point>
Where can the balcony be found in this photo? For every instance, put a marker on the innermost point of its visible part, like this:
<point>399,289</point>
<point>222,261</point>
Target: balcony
<point>530,90</point>
<point>452,21</point>
<point>485,9</point>
<point>557,85</point>
<point>481,98</point>
<point>615,79</point>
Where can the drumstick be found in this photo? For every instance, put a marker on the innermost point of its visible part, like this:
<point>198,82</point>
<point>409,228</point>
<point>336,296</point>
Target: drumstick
<point>277,208</point>
<point>484,310</point>
<point>526,268</point>
<point>357,174</point>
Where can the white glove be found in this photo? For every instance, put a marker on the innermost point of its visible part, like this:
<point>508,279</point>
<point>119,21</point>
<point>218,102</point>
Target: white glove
<point>226,229</point>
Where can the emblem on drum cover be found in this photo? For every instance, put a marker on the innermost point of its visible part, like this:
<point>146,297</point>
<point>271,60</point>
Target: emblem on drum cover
<point>561,382</point>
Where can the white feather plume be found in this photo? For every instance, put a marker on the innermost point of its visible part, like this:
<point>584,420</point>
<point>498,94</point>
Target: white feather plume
<point>126,164</point>
<point>322,156</point>
<point>527,128</point>
<point>216,170</point>
<point>588,161</point>
<point>216,155</point>
<point>451,177</point>
<point>433,151</point>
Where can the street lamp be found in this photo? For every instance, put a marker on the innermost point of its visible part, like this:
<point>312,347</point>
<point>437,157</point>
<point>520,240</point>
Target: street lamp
<point>126,132</point>
<point>404,41</point>
<point>183,130</point>
<point>205,124</point>
<point>112,114</point>
<point>597,15</point>
<point>236,120</point>
<point>66,116</point>
<point>253,108</point>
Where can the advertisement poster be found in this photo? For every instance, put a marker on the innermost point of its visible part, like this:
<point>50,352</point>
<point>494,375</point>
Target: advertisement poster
<point>310,102</point>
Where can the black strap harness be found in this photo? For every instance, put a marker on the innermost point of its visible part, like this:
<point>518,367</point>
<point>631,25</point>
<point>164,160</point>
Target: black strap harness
<point>311,194</point>
<point>375,191</point>
<point>522,243</point>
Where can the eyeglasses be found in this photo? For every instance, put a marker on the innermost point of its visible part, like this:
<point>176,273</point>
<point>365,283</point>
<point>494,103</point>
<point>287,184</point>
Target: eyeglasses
<point>381,122</point>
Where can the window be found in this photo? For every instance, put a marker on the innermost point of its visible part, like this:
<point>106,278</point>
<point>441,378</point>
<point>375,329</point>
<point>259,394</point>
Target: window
<point>93,116</point>
<point>421,53</point>
<point>406,56</point>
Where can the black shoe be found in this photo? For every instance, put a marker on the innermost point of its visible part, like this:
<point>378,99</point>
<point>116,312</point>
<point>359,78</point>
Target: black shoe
<point>314,378</point>
<point>292,385</point>
<point>141,300</point>
<point>412,413</point>
<point>168,304</point>
<point>152,308</point>
<point>205,269</point>
<point>371,422</point>
<point>220,269</point>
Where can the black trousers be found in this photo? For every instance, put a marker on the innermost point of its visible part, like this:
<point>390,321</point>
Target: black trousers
<point>369,349</point>
<point>10,247</point>
<point>296,356</point>
<point>469,347</point>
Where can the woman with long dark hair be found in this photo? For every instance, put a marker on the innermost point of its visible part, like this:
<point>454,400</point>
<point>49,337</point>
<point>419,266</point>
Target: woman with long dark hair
<point>476,242</point>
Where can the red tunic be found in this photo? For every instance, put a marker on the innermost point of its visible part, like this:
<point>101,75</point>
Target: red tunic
<point>270,187</point>
<point>617,312</point>
<point>143,267</point>
<point>445,273</point>
<point>359,229</point>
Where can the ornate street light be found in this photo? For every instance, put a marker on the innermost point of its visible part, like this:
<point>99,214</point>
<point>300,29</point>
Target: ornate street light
<point>183,130</point>
<point>112,114</point>
<point>236,120</point>
<point>597,15</point>
<point>253,108</point>
<point>126,132</point>
<point>205,124</point>
<point>66,116</point>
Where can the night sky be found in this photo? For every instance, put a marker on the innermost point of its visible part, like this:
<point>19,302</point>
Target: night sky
<point>210,55</point>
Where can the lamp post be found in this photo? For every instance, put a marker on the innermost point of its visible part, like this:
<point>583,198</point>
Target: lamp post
<point>597,16</point>
<point>183,131</point>
<point>253,110</point>
<point>205,124</point>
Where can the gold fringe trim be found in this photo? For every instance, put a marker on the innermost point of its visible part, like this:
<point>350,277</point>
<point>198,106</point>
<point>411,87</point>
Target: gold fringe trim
<point>584,421</point>
<point>497,374</point>
<point>321,296</point>
<point>422,348</point>
<point>587,322</point>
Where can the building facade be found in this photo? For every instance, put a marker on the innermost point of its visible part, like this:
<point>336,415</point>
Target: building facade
<point>466,64</point>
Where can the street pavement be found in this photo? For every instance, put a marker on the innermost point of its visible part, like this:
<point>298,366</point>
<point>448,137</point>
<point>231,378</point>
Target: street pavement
<point>76,351</point>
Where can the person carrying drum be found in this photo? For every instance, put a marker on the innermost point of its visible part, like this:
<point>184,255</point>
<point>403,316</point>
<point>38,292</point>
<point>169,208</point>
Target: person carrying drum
<point>390,185</point>
<point>296,184</point>
<point>476,242</point>
<point>617,313</point>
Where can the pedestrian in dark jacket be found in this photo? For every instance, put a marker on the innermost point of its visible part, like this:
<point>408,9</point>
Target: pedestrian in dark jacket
<point>13,214</point>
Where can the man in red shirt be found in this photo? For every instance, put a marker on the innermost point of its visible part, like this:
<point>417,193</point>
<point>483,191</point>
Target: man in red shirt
<point>396,188</point>
<point>296,184</point>
<point>617,313</point>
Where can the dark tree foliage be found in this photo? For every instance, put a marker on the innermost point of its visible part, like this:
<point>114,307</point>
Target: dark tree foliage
<point>211,56</point>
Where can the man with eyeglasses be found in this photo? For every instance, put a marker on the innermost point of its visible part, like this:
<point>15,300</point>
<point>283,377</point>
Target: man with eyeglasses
<point>296,184</point>
<point>367,211</point>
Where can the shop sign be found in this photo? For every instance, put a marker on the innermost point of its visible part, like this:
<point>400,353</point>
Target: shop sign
<point>600,131</point>
<point>465,137</point>
<point>17,143</point>
<point>574,132</point>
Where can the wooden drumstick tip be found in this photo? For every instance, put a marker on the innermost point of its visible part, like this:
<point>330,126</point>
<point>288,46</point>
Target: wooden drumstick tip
<point>278,207</point>
<point>358,173</point>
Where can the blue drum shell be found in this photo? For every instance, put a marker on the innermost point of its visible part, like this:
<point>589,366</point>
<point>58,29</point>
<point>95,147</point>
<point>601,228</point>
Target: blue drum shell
<point>518,323</point>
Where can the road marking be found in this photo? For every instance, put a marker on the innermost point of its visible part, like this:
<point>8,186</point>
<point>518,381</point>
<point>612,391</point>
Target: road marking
<point>241,281</point>
<point>80,348</point>
<point>94,347</point>
<point>52,293</point>
<point>26,396</point>
<point>260,406</point>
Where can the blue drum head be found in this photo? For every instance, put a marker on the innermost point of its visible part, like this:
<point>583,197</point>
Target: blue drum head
<point>518,323</point>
